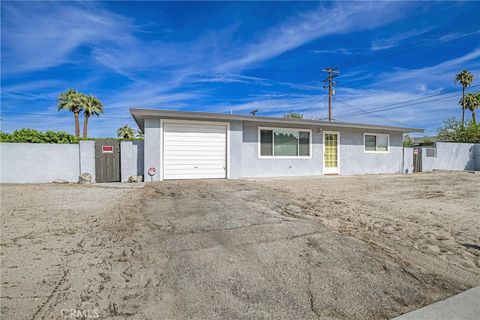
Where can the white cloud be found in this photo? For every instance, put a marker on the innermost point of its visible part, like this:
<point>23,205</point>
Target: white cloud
<point>437,76</point>
<point>38,36</point>
<point>340,18</point>
<point>333,51</point>
<point>396,39</point>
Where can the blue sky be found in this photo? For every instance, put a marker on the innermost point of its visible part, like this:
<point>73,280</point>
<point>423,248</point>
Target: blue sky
<point>235,57</point>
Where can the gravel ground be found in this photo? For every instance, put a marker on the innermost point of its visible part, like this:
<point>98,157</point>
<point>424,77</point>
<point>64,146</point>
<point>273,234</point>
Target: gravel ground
<point>364,247</point>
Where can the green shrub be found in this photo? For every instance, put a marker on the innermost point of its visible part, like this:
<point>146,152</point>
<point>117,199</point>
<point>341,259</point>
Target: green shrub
<point>34,136</point>
<point>293,115</point>
<point>453,131</point>
<point>408,141</point>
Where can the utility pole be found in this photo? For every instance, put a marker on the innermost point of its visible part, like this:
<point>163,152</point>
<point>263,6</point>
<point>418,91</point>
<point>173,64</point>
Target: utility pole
<point>329,83</point>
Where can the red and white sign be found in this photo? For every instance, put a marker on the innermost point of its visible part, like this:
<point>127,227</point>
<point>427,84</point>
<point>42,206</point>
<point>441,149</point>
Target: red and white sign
<point>152,171</point>
<point>107,149</point>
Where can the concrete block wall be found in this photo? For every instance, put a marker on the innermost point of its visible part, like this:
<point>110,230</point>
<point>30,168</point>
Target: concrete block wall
<point>131,159</point>
<point>477,156</point>
<point>152,143</point>
<point>42,163</point>
<point>407,160</point>
<point>450,156</point>
<point>87,158</point>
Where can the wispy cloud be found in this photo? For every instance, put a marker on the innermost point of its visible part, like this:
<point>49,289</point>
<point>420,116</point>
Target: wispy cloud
<point>396,39</point>
<point>338,19</point>
<point>37,36</point>
<point>342,51</point>
<point>438,76</point>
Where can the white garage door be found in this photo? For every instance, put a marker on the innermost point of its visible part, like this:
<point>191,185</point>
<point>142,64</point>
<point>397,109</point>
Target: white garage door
<point>194,150</point>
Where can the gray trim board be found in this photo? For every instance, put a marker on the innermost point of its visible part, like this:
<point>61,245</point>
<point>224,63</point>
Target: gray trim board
<point>140,114</point>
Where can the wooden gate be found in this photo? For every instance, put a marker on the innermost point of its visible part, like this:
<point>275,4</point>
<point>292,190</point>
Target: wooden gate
<point>107,160</point>
<point>417,159</point>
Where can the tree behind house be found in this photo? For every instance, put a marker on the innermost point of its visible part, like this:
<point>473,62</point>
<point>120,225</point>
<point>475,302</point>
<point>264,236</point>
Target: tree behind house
<point>72,101</point>
<point>293,115</point>
<point>126,132</point>
<point>92,107</point>
<point>465,79</point>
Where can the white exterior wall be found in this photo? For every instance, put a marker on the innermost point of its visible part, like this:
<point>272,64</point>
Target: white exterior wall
<point>87,157</point>
<point>131,159</point>
<point>408,160</point>
<point>152,145</point>
<point>245,162</point>
<point>450,156</point>
<point>39,162</point>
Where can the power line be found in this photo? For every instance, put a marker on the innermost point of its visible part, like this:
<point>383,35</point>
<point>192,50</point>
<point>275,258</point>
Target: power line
<point>57,115</point>
<point>393,51</point>
<point>371,114</point>
<point>402,103</point>
<point>407,47</point>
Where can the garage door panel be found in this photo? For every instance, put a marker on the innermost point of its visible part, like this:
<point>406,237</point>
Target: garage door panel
<point>194,140</point>
<point>195,154</point>
<point>179,129</point>
<point>195,162</point>
<point>193,148</point>
<point>194,151</point>
<point>193,176</point>
<point>196,167</point>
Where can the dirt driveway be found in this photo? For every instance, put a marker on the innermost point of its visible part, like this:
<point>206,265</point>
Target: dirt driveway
<point>368,247</point>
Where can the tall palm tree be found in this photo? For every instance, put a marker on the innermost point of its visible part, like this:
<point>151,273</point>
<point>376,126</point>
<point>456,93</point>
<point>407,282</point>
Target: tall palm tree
<point>468,102</point>
<point>72,101</point>
<point>126,132</point>
<point>473,104</point>
<point>465,78</point>
<point>92,106</point>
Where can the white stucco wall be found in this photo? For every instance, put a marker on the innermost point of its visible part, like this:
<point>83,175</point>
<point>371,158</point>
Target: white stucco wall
<point>477,156</point>
<point>408,160</point>
<point>450,156</point>
<point>152,146</point>
<point>39,162</point>
<point>131,159</point>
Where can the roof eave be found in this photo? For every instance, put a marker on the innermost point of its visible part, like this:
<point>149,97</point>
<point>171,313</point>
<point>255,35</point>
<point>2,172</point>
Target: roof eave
<point>139,114</point>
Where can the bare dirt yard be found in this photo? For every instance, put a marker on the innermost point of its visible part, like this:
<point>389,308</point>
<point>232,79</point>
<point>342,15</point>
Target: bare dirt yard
<point>363,247</point>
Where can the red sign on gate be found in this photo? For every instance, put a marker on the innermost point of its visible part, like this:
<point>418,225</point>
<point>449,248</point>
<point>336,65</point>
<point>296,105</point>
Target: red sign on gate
<point>107,149</point>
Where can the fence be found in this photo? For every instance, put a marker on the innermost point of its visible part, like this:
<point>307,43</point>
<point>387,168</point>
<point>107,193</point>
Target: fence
<point>41,162</point>
<point>447,156</point>
<point>131,159</point>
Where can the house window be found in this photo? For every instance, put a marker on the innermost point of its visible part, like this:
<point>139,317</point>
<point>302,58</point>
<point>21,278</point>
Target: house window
<point>375,142</point>
<point>284,142</point>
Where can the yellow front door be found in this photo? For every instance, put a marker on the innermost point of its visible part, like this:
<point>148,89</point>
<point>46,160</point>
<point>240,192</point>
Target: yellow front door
<point>330,152</point>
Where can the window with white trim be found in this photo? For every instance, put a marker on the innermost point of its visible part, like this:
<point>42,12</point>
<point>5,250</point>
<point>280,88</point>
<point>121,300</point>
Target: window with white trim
<point>284,142</point>
<point>375,142</point>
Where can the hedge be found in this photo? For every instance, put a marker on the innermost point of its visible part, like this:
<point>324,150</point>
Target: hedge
<point>34,136</point>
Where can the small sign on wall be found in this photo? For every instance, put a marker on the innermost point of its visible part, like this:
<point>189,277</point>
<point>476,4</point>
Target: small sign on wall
<point>107,149</point>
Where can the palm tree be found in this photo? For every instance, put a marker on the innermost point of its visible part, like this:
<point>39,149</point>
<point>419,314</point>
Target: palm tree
<point>126,132</point>
<point>467,102</point>
<point>91,107</point>
<point>465,78</point>
<point>472,103</point>
<point>72,101</point>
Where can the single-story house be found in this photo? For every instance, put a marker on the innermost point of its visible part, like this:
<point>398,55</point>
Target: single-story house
<point>200,145</point>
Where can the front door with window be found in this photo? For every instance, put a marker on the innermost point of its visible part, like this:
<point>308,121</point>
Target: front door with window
<point>330,152</point>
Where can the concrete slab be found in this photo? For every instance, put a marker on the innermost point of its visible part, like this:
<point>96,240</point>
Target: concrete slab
<point>464,306</point>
